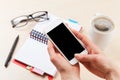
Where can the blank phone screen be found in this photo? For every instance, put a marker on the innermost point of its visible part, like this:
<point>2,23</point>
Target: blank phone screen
<point>65,41</point>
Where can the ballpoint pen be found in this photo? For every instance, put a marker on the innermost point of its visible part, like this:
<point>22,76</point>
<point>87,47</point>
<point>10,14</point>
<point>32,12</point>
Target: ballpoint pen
<point>11,52</point>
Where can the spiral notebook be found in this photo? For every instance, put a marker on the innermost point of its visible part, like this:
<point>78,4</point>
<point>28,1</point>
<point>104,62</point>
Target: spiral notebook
<point>34,51</point>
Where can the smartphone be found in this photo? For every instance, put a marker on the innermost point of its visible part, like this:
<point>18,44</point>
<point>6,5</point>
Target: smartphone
<point>65,41</point>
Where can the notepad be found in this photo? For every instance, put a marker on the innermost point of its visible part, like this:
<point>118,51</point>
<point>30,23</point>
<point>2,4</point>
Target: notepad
<point>34,51</point>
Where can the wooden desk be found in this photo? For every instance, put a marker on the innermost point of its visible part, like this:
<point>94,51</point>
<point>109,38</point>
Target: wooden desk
<point>80,10</point>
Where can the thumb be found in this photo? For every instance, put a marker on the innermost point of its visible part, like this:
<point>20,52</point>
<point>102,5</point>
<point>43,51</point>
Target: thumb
<point>84,57</point>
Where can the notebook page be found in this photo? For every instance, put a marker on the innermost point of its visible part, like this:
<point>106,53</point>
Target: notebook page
<point>41,26</point>
<point>35,54</point>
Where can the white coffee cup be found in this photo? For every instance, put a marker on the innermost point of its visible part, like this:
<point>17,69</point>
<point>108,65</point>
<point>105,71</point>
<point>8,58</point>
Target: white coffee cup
<point>101,30</point>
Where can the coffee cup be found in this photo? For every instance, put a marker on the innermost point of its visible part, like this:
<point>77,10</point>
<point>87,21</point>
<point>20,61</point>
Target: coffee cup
<point>101,30</point>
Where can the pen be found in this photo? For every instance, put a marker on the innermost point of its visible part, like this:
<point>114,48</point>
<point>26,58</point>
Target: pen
<point>11,52</point>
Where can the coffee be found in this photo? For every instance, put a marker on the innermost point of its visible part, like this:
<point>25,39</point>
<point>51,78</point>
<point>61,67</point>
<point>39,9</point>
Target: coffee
<point>103,24</point>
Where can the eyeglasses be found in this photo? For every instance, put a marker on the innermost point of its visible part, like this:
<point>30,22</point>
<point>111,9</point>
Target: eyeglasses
<point>20,21</point>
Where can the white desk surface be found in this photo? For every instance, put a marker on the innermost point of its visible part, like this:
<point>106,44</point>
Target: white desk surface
<point>80,10</point>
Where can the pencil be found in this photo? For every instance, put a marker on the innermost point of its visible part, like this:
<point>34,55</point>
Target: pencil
<point>11,52</point>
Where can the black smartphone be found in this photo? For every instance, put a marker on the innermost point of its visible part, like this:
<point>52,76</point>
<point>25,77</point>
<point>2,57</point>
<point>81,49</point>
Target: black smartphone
<point>65,41</point>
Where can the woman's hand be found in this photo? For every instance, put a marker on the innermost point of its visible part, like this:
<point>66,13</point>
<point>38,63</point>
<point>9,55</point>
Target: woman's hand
<point>95,61</point>
<point>67,71</point>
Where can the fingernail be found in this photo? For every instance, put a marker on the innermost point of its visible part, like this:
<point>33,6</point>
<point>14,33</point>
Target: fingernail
<point>76,55</point>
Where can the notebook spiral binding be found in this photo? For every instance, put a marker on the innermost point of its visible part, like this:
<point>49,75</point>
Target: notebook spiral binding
<point>38,36</point>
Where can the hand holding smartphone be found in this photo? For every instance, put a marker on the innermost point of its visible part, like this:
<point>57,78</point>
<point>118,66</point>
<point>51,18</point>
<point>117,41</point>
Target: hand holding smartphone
<point>65,41</point>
